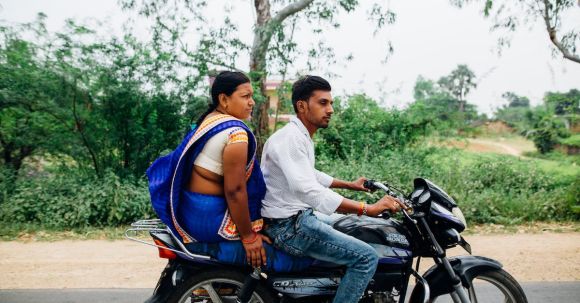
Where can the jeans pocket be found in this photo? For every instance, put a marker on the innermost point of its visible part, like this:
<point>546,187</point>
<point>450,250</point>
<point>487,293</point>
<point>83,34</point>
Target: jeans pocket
<point>286,241</point>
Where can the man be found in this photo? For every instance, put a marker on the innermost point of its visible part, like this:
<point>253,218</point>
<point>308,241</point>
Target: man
<point>295,189</point>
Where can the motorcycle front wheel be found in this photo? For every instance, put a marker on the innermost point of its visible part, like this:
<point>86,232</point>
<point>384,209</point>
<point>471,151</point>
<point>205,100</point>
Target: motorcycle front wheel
<point>493,286</point>
<point>219,286</point>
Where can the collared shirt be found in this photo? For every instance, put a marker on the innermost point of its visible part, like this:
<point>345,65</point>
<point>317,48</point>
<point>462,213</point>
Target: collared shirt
<point>292,182</point>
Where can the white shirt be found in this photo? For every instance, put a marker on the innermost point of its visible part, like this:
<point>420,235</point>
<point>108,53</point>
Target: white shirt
<point>292,182</point>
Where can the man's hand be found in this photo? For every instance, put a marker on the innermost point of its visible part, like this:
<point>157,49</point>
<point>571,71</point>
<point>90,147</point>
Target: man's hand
<point>358,184</point>
<point>385,203</point>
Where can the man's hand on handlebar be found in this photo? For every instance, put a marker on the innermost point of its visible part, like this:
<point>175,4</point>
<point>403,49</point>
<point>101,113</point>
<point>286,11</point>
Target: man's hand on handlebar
<point>386,203</point>
<point>359,184</point>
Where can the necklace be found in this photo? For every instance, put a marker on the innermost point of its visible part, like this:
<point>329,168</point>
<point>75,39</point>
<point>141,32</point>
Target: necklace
<point>219,111</point>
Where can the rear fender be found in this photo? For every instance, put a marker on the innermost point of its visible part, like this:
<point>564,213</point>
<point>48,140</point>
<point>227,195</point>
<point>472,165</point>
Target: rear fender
<point>466,267</point>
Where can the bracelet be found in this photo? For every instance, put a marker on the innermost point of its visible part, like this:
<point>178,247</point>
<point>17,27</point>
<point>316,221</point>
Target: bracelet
<point>362,209</point>
<point>245,241</point>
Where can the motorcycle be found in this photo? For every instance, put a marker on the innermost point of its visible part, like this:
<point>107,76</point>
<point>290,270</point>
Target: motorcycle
<point>430,224</point>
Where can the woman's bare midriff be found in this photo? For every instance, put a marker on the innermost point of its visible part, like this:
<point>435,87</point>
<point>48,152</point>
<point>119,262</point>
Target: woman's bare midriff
<point>205,182</point>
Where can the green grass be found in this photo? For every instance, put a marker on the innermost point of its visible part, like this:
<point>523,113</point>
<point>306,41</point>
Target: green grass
<point>573,140</point>
<point>35,232</point>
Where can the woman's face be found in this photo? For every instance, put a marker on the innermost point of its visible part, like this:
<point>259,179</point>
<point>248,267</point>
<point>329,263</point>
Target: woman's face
<point>240,103</point>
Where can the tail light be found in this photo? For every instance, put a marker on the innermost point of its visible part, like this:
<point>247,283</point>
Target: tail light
<point>165,253</point>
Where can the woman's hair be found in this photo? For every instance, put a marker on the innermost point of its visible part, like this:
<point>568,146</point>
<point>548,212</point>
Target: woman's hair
<point>225,82</point>
<point>305,86</point>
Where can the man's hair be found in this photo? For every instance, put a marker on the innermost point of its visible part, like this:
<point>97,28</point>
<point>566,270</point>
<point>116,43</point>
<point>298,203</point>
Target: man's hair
<point>305,86</point>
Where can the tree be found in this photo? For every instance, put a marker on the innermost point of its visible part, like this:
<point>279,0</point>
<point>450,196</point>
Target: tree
<point>272,46</point>
<point>516,112</point>
<point>458,84</point>
<point>109,104</point>
<point>564,103</point>
<point>515,100</point>
<point>511,14</point>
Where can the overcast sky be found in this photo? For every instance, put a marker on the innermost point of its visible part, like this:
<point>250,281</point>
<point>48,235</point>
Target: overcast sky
<point>430,38</point>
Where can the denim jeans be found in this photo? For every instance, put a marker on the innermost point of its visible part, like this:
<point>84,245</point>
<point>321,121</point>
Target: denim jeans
<point>307,235</point>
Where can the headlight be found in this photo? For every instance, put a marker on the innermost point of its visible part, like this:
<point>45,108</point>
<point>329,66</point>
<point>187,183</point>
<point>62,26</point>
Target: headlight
<point>459,214</point>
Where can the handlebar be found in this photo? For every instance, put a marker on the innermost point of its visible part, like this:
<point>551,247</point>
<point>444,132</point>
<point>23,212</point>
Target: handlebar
<point>400,198</point>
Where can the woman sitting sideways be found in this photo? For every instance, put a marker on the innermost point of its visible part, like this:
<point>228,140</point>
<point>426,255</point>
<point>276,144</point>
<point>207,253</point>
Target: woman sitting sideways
<point>209,190</point>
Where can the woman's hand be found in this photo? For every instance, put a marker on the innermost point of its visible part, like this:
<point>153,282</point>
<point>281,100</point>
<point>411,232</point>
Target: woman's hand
<point>385,203</point>
<point>255,252</point>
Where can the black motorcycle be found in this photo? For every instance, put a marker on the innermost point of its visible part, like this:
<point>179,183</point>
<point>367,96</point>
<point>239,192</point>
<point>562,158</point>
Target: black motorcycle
<point>431,223</point>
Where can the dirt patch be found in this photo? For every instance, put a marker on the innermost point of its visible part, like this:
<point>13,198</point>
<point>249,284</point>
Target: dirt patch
<point>125,264</point>
<point>509,146</point>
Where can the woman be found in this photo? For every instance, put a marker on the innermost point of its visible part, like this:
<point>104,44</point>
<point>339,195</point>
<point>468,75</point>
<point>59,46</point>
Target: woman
<point>209,190</point>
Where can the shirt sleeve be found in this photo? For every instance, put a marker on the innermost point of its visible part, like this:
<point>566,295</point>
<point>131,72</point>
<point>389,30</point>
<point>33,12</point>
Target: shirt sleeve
<point>303,180</point>
<point>323,178</point>
<point>237,135</point>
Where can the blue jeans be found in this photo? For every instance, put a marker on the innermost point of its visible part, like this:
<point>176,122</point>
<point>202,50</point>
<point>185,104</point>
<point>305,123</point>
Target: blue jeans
<point>306,235</point>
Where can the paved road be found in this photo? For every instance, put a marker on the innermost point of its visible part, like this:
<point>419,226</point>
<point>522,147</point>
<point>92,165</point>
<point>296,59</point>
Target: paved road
<point>553,292</point>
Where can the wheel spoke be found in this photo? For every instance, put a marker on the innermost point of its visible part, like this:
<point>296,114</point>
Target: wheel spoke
<point>215,298</point>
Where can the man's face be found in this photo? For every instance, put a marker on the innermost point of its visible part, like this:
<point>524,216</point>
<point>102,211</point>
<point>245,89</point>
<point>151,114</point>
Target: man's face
<point>318,109</point>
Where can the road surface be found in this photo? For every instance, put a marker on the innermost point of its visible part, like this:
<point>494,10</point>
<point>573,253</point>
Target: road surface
<point>554,292</point>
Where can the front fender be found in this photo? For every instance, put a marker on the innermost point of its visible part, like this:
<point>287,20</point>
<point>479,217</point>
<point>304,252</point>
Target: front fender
<point>466,267</point>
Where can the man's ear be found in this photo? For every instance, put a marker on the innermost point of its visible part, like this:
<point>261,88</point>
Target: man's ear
<point>301,106</point>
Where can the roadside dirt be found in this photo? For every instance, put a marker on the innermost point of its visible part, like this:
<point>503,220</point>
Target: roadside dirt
<point>513,146</point>
<point>125,264</point>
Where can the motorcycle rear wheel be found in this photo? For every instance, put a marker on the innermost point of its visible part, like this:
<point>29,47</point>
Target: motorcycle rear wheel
<point>219,286</point>
<point>490,287</point>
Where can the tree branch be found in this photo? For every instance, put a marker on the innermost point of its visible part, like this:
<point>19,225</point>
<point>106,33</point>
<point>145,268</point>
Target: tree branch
<point>291,9</point>
<point>553,35</point>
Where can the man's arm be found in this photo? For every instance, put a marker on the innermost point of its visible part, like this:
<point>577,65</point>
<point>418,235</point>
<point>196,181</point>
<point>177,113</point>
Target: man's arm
<point>357,184</point>
<point>328,181</point>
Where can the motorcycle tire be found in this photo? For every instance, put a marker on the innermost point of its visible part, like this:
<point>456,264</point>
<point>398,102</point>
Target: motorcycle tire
<point>223,283</point>
<point>504,283</point>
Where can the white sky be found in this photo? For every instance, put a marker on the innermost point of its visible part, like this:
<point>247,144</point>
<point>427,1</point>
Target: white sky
<point>430,38</point>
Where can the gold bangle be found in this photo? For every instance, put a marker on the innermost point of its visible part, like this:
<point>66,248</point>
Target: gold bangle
<point>361,209</point>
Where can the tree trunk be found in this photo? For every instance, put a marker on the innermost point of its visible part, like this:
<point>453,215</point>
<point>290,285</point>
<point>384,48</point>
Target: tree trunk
<point>265,27</point>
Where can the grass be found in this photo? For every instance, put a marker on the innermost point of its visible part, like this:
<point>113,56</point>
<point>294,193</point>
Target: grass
<point>32,232</point>
<point>573,140</point>
<point>29,233</point>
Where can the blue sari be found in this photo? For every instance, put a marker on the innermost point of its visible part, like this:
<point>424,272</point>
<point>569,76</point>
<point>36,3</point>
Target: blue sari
<point>196,217</point>
<point>202,222</point>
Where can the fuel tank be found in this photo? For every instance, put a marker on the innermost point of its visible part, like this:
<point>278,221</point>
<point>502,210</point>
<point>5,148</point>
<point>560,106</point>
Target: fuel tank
<point>387,232</point>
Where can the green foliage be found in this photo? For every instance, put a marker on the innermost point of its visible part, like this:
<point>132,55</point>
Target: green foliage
<point>563,103</point>
<point>110,104</point>
<point>572,140</point>
<point>437,106</point>
<point>488,188</point>
<point>545,125</point>
<point>72,200</point>
<point>361,126</point>
<point>515,100</point>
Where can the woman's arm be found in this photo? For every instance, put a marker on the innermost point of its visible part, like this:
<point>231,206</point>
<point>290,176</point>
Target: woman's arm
<point>234,167</point>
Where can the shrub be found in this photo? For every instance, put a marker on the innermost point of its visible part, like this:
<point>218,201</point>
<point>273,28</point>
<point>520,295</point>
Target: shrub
<point>361,126</point>
<point>71,199</point>
<point>488,188</point>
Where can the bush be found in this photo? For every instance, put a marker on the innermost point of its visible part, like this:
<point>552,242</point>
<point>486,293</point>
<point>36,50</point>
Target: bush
<point>489,188</point>
<point>361,126</point>
<point>71,200</point>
